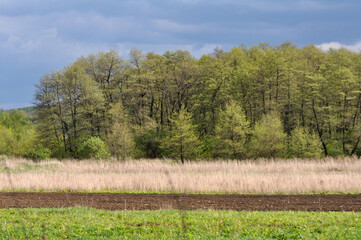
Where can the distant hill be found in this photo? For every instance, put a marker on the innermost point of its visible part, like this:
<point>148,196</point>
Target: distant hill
<point>28,110</point>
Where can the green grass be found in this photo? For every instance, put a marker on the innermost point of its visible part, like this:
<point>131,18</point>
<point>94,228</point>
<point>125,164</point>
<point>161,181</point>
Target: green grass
<point>174,192</point>
<point>85,223</point>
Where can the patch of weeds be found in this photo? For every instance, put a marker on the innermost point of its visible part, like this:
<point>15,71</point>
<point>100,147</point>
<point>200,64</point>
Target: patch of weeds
<point>29,166</point>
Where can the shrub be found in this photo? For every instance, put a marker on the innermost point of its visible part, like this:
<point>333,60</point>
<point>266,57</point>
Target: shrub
<point>94,147</point>
<point>268,138</point>
<point>39,152</point>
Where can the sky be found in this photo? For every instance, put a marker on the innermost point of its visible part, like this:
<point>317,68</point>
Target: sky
<point>38,36</point>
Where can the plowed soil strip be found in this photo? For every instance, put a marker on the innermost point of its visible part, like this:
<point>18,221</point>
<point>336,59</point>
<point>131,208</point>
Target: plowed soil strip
<point>121,201</point>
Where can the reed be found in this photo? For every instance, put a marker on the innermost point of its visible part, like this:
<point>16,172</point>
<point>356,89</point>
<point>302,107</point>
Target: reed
<point>263,176</point>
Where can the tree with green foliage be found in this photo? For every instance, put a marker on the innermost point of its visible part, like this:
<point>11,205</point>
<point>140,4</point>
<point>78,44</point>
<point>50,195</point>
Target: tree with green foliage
<point>120,139</point>
<point>231,132</point>
<point>148,143</point>
<point>268,138</point>
<point>317,90</point>
<point>304,144</point>
<point>182,142</point>
<point>211,92</point>
<point>67,102</point>
<point>16,133</point>
<point>6,141</point>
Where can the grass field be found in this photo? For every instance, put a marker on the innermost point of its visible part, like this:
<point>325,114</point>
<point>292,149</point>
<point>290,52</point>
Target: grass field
<point>294,176</point>
<point>82,223</point>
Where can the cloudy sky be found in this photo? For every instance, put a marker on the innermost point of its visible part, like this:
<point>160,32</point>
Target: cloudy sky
<point>37,36</point>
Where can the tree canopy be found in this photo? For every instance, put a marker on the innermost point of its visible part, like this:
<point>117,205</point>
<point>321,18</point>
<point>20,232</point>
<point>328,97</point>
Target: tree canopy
<point>246,102</point>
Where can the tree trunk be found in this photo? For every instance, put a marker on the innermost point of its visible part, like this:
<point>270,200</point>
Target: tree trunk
<point>182,157</point>
<point>318,128</point>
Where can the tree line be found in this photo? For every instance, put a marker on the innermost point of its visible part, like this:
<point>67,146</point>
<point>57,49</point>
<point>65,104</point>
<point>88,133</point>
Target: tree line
<point>248,102</point>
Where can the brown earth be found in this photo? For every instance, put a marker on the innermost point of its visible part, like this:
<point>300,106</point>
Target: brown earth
<point>121,201</point>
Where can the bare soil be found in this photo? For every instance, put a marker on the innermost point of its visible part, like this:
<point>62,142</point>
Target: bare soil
<point>121,201</point>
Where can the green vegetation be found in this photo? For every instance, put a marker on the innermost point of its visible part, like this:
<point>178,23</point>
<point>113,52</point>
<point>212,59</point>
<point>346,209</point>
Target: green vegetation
<point>233,100</point>
<point>16,133</point>
<point>232,132</point>
<point>38,152</point>
<point>182,141</point>
<point>304,144</point>
<point>28,110</point>
<point>76,223</point>
<point>268,138</point>
<point>95,148</point>
<point>120,138</point>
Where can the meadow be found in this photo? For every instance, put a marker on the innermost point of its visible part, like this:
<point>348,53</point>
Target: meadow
<point>277,176</point>
<point>83,223</point>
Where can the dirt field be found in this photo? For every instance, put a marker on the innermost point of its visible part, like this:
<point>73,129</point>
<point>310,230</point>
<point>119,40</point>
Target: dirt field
<point>114,201</point>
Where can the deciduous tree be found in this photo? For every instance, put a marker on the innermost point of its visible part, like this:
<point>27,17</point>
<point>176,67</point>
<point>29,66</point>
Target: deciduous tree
<point>182,141</point>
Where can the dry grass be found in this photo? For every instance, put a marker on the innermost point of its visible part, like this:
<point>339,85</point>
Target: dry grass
<point>261,176</point>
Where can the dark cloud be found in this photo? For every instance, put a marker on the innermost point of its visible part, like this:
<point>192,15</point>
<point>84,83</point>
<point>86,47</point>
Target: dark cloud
<point>40,35</point>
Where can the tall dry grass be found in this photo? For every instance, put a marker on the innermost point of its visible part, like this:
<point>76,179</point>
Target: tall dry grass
<point>261,176</point>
